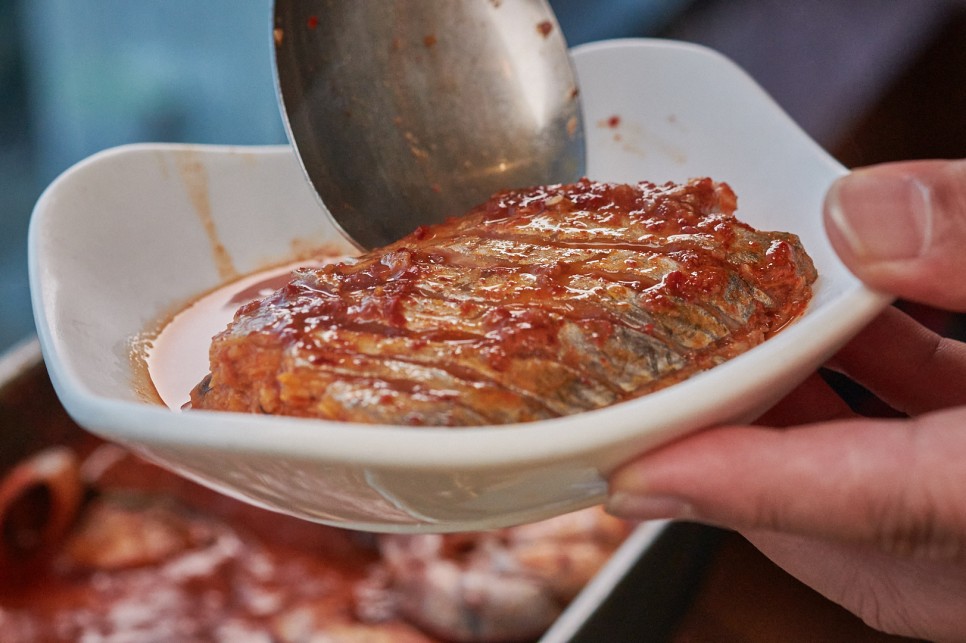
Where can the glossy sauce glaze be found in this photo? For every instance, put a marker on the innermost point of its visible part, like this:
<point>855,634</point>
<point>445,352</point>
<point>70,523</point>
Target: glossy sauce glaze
<point>538,303</point>
<point>177,357</point>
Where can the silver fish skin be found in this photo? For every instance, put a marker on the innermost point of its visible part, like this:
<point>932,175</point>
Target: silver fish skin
<point>539,303</point>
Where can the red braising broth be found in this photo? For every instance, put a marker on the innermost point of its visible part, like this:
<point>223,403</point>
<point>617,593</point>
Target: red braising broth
<point>109,547</point>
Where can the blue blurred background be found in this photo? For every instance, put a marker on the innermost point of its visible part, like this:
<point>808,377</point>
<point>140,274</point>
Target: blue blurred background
<point>78,76</point>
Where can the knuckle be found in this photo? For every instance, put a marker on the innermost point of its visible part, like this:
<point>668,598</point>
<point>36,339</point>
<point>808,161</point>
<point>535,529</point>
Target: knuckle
<point>917,523</point>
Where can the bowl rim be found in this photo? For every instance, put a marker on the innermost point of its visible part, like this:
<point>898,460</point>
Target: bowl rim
<point>484,446</point>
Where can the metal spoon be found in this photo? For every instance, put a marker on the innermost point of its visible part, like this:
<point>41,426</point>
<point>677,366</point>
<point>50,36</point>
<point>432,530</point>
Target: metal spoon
<point>406,112</point>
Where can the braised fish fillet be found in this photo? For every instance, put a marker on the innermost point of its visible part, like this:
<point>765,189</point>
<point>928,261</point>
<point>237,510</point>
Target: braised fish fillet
<point>536,304</point>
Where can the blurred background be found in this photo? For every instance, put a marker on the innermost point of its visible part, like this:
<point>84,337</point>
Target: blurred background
<point>871,80</point>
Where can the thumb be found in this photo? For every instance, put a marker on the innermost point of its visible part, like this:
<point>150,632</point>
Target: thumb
<point>901,228</point>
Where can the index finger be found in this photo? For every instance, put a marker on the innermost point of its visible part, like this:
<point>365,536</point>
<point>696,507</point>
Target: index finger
<point>908,366</point>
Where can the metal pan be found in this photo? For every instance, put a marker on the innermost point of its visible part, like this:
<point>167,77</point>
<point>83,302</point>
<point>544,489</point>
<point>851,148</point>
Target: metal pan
<point>639,595</point>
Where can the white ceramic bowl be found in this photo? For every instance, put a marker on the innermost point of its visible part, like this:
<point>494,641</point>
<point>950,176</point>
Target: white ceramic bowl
<point>128,236</point>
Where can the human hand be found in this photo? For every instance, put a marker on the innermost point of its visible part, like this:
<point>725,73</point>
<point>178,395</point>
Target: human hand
<point>869,512</point>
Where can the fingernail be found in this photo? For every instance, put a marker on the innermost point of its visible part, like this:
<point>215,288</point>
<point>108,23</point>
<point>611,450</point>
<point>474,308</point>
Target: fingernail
<point>883,216</point>
<point>638,507</point>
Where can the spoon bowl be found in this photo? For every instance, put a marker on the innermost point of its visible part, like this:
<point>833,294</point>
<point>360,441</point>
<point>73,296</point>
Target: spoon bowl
<point>405,113</point>
<point>104,234</point>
